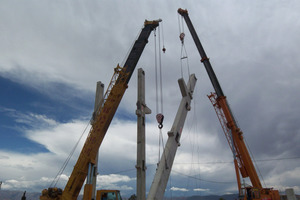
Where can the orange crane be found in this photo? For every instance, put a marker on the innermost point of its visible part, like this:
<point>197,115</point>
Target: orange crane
<point>242,160</point>
<point>104,116</point>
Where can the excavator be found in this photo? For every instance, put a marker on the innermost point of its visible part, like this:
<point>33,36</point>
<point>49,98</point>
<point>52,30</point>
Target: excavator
<point>100,124</point>
<point>242,160</point>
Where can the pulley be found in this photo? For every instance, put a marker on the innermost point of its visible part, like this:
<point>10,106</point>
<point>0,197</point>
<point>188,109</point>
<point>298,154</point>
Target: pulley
<point>160,120</point>
<point>181,36</point>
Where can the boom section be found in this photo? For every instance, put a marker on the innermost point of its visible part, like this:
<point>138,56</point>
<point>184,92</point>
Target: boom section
<point>139,46</point>
<point>237,144</point>
<point>106,113</point>
<point>204,59</point>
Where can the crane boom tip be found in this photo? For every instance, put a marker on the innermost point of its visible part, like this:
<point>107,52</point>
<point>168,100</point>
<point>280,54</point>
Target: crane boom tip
<point>153,22</point>
<point>182,11</point>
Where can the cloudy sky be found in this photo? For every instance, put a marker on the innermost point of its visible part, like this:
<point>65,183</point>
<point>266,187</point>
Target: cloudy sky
<point>53,52</point>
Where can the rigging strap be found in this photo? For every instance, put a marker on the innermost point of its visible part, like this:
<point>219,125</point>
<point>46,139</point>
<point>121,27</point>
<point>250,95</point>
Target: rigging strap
<point>183,55</point>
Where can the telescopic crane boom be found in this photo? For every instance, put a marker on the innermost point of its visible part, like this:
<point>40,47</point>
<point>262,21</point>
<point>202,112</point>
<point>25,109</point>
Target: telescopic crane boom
<point>232,132</point>
<point>103,119</point>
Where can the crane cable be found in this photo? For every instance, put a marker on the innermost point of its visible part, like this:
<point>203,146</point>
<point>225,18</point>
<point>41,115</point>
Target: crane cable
<point>251,154</point>
<point>159,90</point>
<point>158,84</point>
<point>183,54</point>
<point>60,172</point>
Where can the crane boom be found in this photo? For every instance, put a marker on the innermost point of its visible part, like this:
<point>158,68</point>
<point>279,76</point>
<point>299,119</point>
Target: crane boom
<point>105,114</point>
<point>204,60</point>
<point>232,132</point>
<point>163,171</point>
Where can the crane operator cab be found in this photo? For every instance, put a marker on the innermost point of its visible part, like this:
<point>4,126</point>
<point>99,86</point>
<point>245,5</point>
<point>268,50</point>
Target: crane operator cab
<point>108,195</point>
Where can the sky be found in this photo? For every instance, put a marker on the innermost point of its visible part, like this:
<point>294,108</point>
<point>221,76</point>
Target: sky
<point>52,53</point>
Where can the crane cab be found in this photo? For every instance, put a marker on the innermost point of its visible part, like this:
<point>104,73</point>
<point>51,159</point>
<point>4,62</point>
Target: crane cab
<point>108,195</point>
<point>250,193</point>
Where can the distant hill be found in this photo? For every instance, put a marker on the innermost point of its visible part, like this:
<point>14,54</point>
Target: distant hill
<point>213,197</point>
<point>17,195</point>
<point>210,197</point>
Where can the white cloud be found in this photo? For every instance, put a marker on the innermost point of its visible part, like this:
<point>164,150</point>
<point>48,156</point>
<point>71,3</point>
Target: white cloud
<point>179,189</point>
<point>25,183</point>
<point>113,178</point>
<point>253,49</point>
<point>201,190</point>
<point>34,120</point>
<point>115,181</point>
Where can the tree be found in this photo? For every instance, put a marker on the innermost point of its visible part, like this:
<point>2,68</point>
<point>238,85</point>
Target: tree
<point>132,197</point>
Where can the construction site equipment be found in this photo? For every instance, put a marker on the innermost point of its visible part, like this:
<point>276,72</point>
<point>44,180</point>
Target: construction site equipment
<point>234,136</point>
<point>164,168</point>
<point>104,116</point>
<point>108,195</point>
<point>91,179</point>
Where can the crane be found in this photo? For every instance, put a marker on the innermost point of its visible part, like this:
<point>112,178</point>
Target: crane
<point>164,168</point>
<point>234,135</point>
<point>104,116</point>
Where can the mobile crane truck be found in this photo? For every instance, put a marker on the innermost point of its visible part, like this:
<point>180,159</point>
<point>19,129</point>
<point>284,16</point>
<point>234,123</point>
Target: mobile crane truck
<point>104,116</point>
<point>242,160</point>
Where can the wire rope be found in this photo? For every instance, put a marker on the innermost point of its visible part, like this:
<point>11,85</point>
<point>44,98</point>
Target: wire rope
<point>170,186</point>
<point>156,78</point>
<point>210,181</point>
<point>262,178</point>
<point>58,175</point>
<point>160,73</point>
<point>159,89</point>
<point>227,162</point>
<point>183,53</point>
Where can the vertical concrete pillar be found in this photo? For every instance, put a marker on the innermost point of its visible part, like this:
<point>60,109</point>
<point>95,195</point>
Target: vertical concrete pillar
<point>142,109</point>
<point>97,105</point>
<point>290,194</point>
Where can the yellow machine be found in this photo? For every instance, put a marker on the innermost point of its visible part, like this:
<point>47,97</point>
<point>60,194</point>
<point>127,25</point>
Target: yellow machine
<point>104,116</point>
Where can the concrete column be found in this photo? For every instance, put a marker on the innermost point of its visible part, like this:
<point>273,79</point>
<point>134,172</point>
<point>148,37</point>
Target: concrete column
<point>98,101</point>
<point>164,168</point>
<point>290,194</point>
<point>141,110</point>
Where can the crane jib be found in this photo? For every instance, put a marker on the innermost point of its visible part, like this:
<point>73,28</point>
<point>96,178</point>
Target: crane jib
<point>204,58</point>
<point>138,48</point>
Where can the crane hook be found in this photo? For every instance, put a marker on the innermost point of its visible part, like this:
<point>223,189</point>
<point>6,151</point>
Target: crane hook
<point>160,119</point>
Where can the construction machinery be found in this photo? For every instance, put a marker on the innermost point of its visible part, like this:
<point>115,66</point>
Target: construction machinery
<point>108,194</point>
<point>242,160</point>
<point>101,122</point>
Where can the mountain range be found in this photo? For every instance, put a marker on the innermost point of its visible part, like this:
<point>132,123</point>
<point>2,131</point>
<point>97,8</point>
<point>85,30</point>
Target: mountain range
<point>17,195</point>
